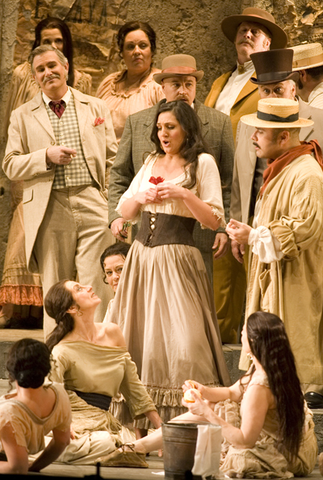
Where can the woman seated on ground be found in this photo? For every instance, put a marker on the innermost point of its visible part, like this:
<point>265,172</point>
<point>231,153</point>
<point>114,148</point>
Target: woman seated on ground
<point>112,261</point>
<point>92,360</point>
<point>32,411</point>
<point>272,434</point>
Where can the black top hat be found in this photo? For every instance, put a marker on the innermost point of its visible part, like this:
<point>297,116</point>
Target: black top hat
<point>273,66</point>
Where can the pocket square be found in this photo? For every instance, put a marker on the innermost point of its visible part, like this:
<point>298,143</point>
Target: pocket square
<point>98,121</point>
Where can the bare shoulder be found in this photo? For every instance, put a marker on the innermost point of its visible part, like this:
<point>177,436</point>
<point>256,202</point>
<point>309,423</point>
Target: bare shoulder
<point>257,392</point>
<point>114,334</point>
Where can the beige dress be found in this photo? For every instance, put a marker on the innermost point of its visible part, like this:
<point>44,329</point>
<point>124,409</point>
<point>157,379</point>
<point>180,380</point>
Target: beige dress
<point>122,104</point>
<point>164,303</point>
<point>264,460</point>
<point>19,286</point>
<point>93,368</point>
<point>29,429</point>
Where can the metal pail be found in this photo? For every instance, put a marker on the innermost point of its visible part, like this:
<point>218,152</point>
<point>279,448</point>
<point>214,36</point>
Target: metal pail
<point>179,442</point>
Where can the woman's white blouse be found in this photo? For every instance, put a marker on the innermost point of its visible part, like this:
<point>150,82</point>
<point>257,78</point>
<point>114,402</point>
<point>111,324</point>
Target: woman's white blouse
<point>207,188</point>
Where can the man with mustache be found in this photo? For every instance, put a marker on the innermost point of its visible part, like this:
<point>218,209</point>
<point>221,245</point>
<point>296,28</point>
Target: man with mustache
<point>178,79</point>
<point>61,144</point>
<point>233,93</point>
<point>275,79</point>
<point>286,274</point>
<point>253,31</point>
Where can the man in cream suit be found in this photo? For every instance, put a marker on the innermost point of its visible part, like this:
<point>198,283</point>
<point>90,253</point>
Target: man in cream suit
<point>178,79</point>
<point>61,145</point>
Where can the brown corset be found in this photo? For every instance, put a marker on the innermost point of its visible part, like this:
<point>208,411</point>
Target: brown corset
<point>163,229</point>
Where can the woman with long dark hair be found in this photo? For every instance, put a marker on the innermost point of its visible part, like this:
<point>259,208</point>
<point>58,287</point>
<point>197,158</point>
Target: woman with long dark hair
<point>32,410</point>
<point>164,303</point>
<point>92,361</point>
<point>272,435</point>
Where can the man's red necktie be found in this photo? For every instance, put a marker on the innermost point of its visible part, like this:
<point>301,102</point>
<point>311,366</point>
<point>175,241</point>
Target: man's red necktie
<point>58,107</point>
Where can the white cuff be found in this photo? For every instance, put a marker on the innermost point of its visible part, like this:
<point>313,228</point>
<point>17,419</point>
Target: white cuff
<point>265,245</point>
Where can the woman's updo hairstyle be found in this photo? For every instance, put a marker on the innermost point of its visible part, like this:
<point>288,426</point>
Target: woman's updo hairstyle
<point>28,363</point>
<point>131,27</point>
<point>57,301</point>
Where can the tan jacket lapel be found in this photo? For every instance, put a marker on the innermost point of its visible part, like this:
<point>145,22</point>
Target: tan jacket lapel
<point>41,116</point>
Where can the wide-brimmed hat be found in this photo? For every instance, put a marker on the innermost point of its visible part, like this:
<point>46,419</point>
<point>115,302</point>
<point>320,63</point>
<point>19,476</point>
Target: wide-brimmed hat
<point>251,14</point>
<point>273,66</point>
<point>178,65</point>
<point>309,55</point>
<point>276,113</point>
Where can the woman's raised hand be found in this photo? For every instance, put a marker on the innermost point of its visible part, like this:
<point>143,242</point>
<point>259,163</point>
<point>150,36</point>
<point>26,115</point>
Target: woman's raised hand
<point>198,407</point>
<point>169,190</point>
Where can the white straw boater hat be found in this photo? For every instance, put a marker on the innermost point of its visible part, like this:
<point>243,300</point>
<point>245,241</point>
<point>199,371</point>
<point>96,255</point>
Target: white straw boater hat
<point>276,113</point>
<point>308,55</point>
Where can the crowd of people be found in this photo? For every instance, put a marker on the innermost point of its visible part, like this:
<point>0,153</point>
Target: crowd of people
<point>188,209</point>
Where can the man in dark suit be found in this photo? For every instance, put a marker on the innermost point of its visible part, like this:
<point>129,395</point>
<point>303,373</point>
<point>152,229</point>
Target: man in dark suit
<point>178,79</point>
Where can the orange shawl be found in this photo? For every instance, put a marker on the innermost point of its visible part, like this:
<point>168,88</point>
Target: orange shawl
<point>278,164</point>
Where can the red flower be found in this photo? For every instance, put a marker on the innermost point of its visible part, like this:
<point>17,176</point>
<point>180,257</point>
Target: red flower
<point>98,121</point>
<point>156,180</point>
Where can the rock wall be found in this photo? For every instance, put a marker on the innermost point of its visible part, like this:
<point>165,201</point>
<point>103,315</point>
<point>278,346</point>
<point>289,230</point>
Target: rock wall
<point>182,26</point>
<point>8,24</point>
<point>193,27</point>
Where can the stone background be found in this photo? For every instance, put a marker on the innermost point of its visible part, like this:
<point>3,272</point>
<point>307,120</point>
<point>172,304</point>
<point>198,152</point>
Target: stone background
<point>182,26</point>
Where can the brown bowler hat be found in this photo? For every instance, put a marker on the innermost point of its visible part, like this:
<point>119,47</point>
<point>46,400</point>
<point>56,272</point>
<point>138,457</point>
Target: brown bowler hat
<point>178,65</point>
<point>276,113</point>
<point>251,14</point>
<point>309,55</point>
<point>273,66</point>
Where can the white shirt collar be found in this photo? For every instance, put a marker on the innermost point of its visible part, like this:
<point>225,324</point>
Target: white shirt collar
<point>66,98</point>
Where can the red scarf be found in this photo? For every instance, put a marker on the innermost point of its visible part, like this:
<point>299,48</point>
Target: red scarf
<point>278,164</point>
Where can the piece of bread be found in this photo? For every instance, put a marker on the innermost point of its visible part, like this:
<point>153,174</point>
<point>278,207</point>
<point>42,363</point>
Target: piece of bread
<point>188,397</point>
